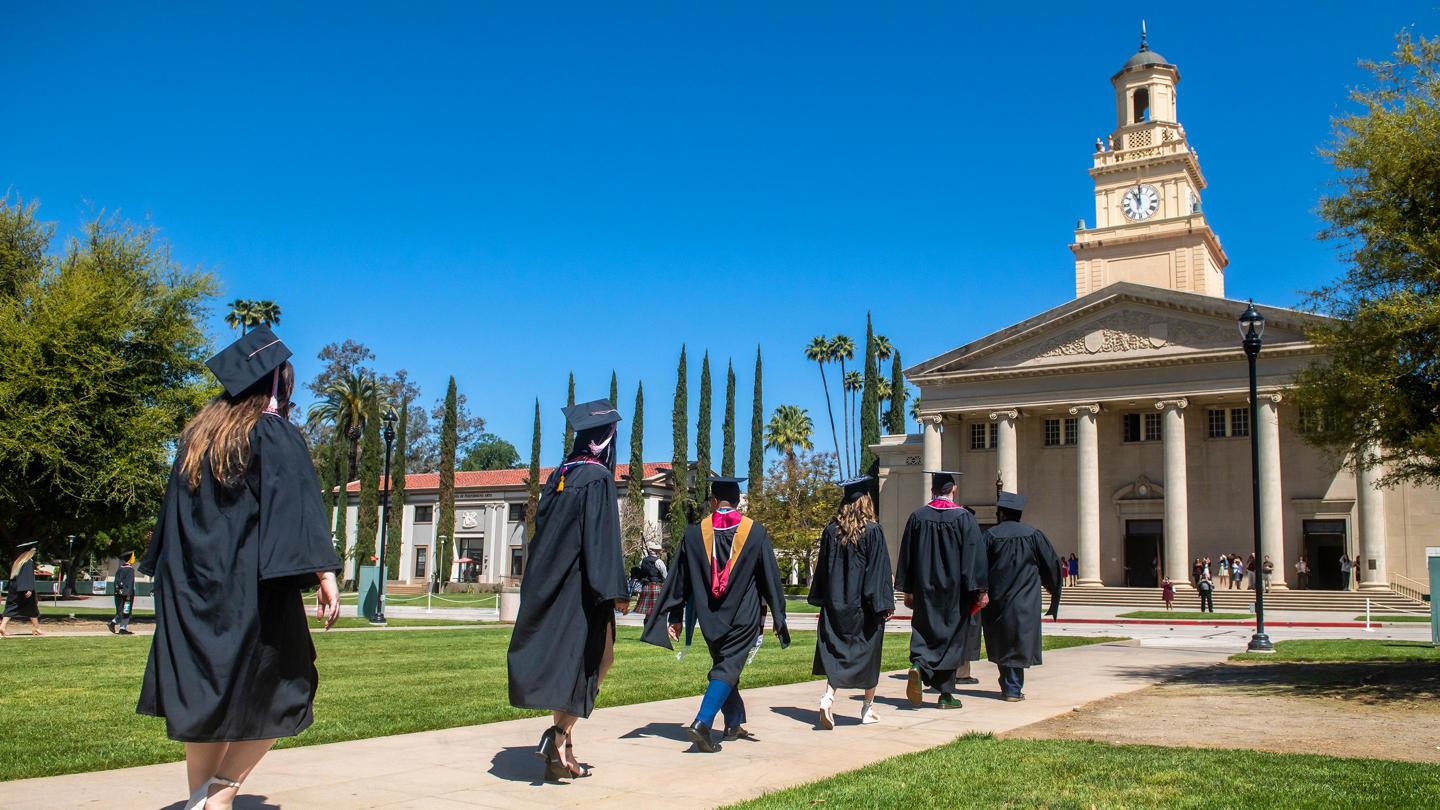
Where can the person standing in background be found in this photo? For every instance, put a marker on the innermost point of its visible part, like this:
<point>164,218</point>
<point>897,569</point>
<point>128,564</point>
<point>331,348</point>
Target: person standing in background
<point>1344,573</point>
<point>1206,588</point>
<point>1237,572</point>
<point>1267,569</point>
<point>124,582</point>
<point>1167,592</point>
<point>1355,569</point>
<point>1302,574</point>
<point>1074,569</point>
<point>20,600</point>
<point>1223,569</point>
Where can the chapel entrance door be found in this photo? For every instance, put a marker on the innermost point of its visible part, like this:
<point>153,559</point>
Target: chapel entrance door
<point>1324,545</point>
<point>1144,552</point>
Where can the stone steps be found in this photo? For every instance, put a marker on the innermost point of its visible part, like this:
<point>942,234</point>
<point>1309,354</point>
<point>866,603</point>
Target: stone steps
<point>1149,598</point>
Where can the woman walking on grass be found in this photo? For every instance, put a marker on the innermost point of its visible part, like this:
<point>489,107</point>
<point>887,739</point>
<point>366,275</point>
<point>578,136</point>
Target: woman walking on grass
<point>241,533</point>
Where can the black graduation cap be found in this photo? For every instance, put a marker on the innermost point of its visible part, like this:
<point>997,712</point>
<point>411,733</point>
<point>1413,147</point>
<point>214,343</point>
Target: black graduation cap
<point>247,360</point>
<point>855,487</point>
<point>940,477</point>
<point>725,488</point>
<point>1011,501</point>
<point>29,544</point>
<point>586,415</point>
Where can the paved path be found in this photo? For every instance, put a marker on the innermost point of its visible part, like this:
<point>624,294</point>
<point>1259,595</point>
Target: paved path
<point>639,753</point>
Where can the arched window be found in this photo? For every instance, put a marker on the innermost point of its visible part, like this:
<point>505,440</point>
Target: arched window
<point>1141,111</point>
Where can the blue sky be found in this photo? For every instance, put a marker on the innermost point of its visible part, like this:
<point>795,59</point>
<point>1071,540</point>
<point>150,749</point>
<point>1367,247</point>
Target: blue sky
<point>508,192</point>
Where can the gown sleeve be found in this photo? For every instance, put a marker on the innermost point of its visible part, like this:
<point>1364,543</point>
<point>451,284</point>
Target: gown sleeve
<point>976,556</point>
<point>773,592</point>
<point>294,538</point>
<point>600,556</point>
<point>820,578</point>
<point>879,590</point>
<point>902,562</point>
<point>1048,561</point>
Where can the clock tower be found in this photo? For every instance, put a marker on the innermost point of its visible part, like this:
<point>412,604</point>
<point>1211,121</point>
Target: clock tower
<point>1149,228</point>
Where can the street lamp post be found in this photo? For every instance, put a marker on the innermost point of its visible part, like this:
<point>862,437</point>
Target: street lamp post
<point>389,433</point>
<point>999,485</point>
<point>1252,327</point>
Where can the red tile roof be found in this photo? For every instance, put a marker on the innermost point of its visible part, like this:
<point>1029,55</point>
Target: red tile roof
<point>505,479</point>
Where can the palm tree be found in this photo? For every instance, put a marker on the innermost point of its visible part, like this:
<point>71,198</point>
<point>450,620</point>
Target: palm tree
<point>266,312</point>
<point>883,348</point>
<point>790,427</point>
<point>882,388</point>
<point>853,383</point>
<point>344,402</point>
<point>238,318</point>
<point>819,351</point>
<point>842,348</point>
<point>915,413</point>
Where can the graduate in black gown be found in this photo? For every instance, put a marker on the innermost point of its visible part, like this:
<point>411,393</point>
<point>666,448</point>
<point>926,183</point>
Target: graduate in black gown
<point>725,565</point>
<point>124,584</point>
<point>855,592</point>
<point>1021,560</point>
<point>241,533</point>
<point>942,572</point>
<point>564,637</point>
<point>20,600</point>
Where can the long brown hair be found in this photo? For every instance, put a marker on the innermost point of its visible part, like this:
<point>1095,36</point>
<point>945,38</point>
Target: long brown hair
<point>221,430</point>
<point>853,518</point>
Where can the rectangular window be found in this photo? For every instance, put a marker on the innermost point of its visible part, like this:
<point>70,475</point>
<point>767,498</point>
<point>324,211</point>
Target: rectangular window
<point>977,435</point>
<point>517,562</point>
<point>420,558</point>
<point>1052,432</point>
<point>994,435</point>
<point>1309,420</point>
<point>1131,423</point>
<point>1215,421</point>
<point>424,514</point>
<point>1072,431</point>
<point>1239,421</point>
<point>1152,427</point>
<point>517,513</point>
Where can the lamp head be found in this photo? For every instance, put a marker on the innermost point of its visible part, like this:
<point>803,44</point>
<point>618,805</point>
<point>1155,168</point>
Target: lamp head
<point>1251,323</point>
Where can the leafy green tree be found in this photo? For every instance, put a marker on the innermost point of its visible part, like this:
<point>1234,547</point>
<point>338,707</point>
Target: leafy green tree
<point>680,460</point>
<point>367,519</point>
<point>635,486</point>
<point>614,390</point>
<point>569,434</point>
<point>727,428</point>
<point>345,404</point>
<point>532,481</point>
<point>870,404</point>
<point>821,351</point>
<point>895,417</point>
<point>445,521</point>
<point>790,428</point>
<point>842,348</point>
<point>800,497</point>
<point>396,525</point>
<point>491,453</point>
<point>101,365</point>
<point>1380,385</point>
<point>701,488</point>
<point>757,432</point>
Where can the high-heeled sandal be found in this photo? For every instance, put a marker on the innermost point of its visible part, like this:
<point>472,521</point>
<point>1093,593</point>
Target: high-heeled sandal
<point>202,794</point>
<point>549,751</point>
<point>570,756</point>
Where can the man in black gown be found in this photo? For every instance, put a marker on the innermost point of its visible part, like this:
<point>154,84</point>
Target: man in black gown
<point>1021,560</point>
<point>727,564</point>
<point>20,600</point>
<point>942,572</point>
<point>124,582</point>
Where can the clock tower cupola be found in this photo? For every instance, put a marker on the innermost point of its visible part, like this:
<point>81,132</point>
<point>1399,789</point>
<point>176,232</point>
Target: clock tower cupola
<point>1149,226</point>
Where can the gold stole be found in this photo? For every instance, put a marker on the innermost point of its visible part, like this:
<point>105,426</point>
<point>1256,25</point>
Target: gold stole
<point>742,533</point>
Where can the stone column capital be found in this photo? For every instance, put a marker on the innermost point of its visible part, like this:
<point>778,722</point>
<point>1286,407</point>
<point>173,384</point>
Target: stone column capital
<point>1008,415</point>
<point>1092,408</point>
<point>1175,404</point>
<point>931,419</point>
<point>1271,398</point>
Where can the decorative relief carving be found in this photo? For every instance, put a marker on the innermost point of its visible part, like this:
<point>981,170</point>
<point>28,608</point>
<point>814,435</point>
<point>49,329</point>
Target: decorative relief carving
<point>1092,409</point>
<point>1126,331</point>
<point>469,519</point>
<point>1009,416</point>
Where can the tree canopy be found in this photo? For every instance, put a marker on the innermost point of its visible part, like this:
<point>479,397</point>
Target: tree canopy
<point>799,498</point>
<point>491,452</point>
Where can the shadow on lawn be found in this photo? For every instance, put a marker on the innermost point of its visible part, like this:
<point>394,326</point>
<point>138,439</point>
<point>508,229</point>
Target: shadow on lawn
<point>1366,682</point>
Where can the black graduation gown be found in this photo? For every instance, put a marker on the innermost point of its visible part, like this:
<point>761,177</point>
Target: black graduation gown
<point>1021,559</point>
<point>853,588</point>
<point>732,621</point>
<point>231,658</point>
<point>574,572</point>
<point>942,566</point>
<point>125,581</point>
<point>17,604</point>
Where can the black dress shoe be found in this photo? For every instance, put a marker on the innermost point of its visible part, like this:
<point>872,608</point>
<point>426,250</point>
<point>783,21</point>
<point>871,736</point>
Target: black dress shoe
<point>967,681</point>
<point>739,733</point>
<point>700,734</point>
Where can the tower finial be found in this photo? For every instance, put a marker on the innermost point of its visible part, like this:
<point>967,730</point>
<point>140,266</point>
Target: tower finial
<point>1144,46</point>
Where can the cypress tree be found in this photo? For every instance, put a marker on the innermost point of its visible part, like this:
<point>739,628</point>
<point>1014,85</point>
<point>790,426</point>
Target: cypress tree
<point>869,404</point>
<point>367,521</point>
<point>445,521</point>
<point>895,417</point>
<point>569,434</point>
<point>532,484</point>
<point>614,390</point>
<point>703,433</point>
<point>635,487</point>
<point>325,469</point>
<point>396,524</point>
<point>340,451</point>
<point>757,433</point>
<point>680,459</point>
<point>727,430</point>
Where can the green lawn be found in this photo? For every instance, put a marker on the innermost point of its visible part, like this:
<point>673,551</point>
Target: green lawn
<point>77,695</point>
<point>1409,617</point>
<point>1346,650</point>
<point>141,617</point>
<point>1183,614</point>
<point>981,771</point>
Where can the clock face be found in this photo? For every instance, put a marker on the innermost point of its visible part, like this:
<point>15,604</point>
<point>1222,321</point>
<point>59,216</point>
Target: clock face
<point>1140,203</point>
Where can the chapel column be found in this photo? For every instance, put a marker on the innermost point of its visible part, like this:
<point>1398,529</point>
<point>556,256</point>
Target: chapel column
<point>1371,500</point>
<point>1177,507</point>
<point>1005,451</point>
<point>950,444</point>
<point>1087,495</point>
<point>930,457</point>
<point>1272,509</point>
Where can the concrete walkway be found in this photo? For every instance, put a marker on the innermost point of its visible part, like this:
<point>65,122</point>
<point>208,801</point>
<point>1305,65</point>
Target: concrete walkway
<point>639,753</point>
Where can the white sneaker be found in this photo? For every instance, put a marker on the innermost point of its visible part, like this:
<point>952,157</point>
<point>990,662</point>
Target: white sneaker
<point>827,717</point>
<point>868,716</point>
